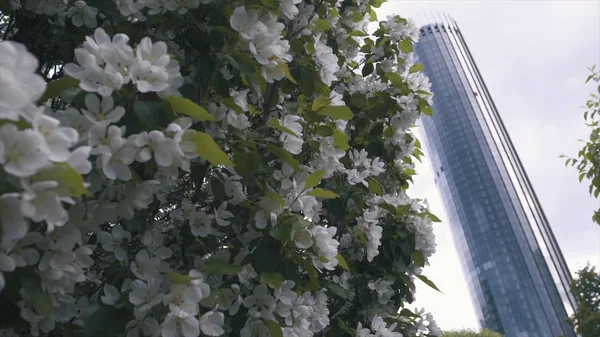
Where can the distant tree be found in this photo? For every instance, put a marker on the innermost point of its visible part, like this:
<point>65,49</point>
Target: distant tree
<point>471,333</point>
<point>588,158</point>
<point>586,289</point>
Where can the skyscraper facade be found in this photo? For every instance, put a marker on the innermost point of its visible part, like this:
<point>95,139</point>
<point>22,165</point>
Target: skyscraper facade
<point>516,274</point>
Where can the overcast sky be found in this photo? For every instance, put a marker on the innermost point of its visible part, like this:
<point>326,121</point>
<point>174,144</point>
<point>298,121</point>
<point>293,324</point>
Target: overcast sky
<point>533,56</point>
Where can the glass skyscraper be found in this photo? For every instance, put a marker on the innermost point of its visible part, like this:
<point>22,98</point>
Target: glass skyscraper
<point>517,276</point>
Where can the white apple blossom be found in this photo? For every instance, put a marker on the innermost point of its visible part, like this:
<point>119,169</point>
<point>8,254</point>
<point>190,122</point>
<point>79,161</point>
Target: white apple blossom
<point>145,294</point>
<point>102,112</point>
<point>102,63</point>
<point>175,80</point>
<point>78,159</point>
<point>247,22</point>
<point>161,6</point>
<point>260,304</point>
<point>148,327</point>
<point>111,295</point>
<point>58,138</point>
<point>112,242</point>
<point>149,70</point>
<point>211,323</point>
<point>238,121</point>
<point>22,153</point>
<point>240,98</point>
<point>22,253</point>
<point>116,156</point>
<point>327,247</point>
<point>82,14</point>
<point>144,266</point>
<point>180,323</point>
<point>19,84</point>
<point>12,217</point>
<point>327,61</point>
<point>254,327</point>
<point>234,300</point>
<point>285,293</point>
<point>289,9</point>
<point>292,143</point>
<point>130,7</point>
<point>46,201</point>
<point>222,215</point>
<point>185,5</point>
<point>72,118</point>
<point>302,237</point>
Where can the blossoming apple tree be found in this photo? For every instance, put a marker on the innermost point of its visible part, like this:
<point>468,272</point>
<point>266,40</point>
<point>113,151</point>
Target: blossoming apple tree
<point>209,168</point>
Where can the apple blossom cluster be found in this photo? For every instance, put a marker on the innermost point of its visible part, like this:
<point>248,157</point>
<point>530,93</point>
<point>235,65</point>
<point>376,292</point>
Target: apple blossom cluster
<point>104,65</point>
<point>210,168</point>
<point>265,42</point>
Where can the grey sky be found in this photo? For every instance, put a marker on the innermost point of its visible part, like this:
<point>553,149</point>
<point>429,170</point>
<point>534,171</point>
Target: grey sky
<point>533,56</point>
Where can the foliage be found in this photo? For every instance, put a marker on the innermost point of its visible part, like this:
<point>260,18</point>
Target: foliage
<point>185,168</point>
<point>471,333</point>
<point>586,289</point>
<point>588,158</point>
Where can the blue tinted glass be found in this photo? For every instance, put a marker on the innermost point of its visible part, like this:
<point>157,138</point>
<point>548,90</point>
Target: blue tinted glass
<point>506,268</point>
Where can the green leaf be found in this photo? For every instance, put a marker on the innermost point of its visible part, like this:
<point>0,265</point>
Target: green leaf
<point>418,258</point>
<point>274,123</point>
<point>338,290</point>
<point>433,217</point>
<point>340,140</point>
<point>345,327</point>
<point>285,156</point>
<point>306,78</point>
<point>272,279</point>
<point>313,276</point>
<point>276,197</point>
<point>416,67</point>
<point>395,79</point>
<point>314,178</point>
<point>337,112</point>
<point>253,110</point>
<point>372,13</point>
<point>358,33</point>
<point>361,236</point>
<point>66,175</point>
<point>320,102</point>
<point>322,24</point>
<point>246,163</point>
<point>150,115</point>
<point>106,321</point>
<point>407,313</point>
<point>274,328</point>
<point>428,282</point>
<point>375,186</point>
<point>376,3</point>
<point>321,193</point>
<point>324,131</point>
<point>180,278</point>
<point>367,69</point>
<point>406,46</point>
<point>342,262</point>
<point>187,107</point>
<point>270,4</point>
<point>286,71</point>
<point>31,283</point>
<point>428,111</point>
<point>208,149</point>
<point>54,88</point>
<point>219,84</point>
<point>220,267</point>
